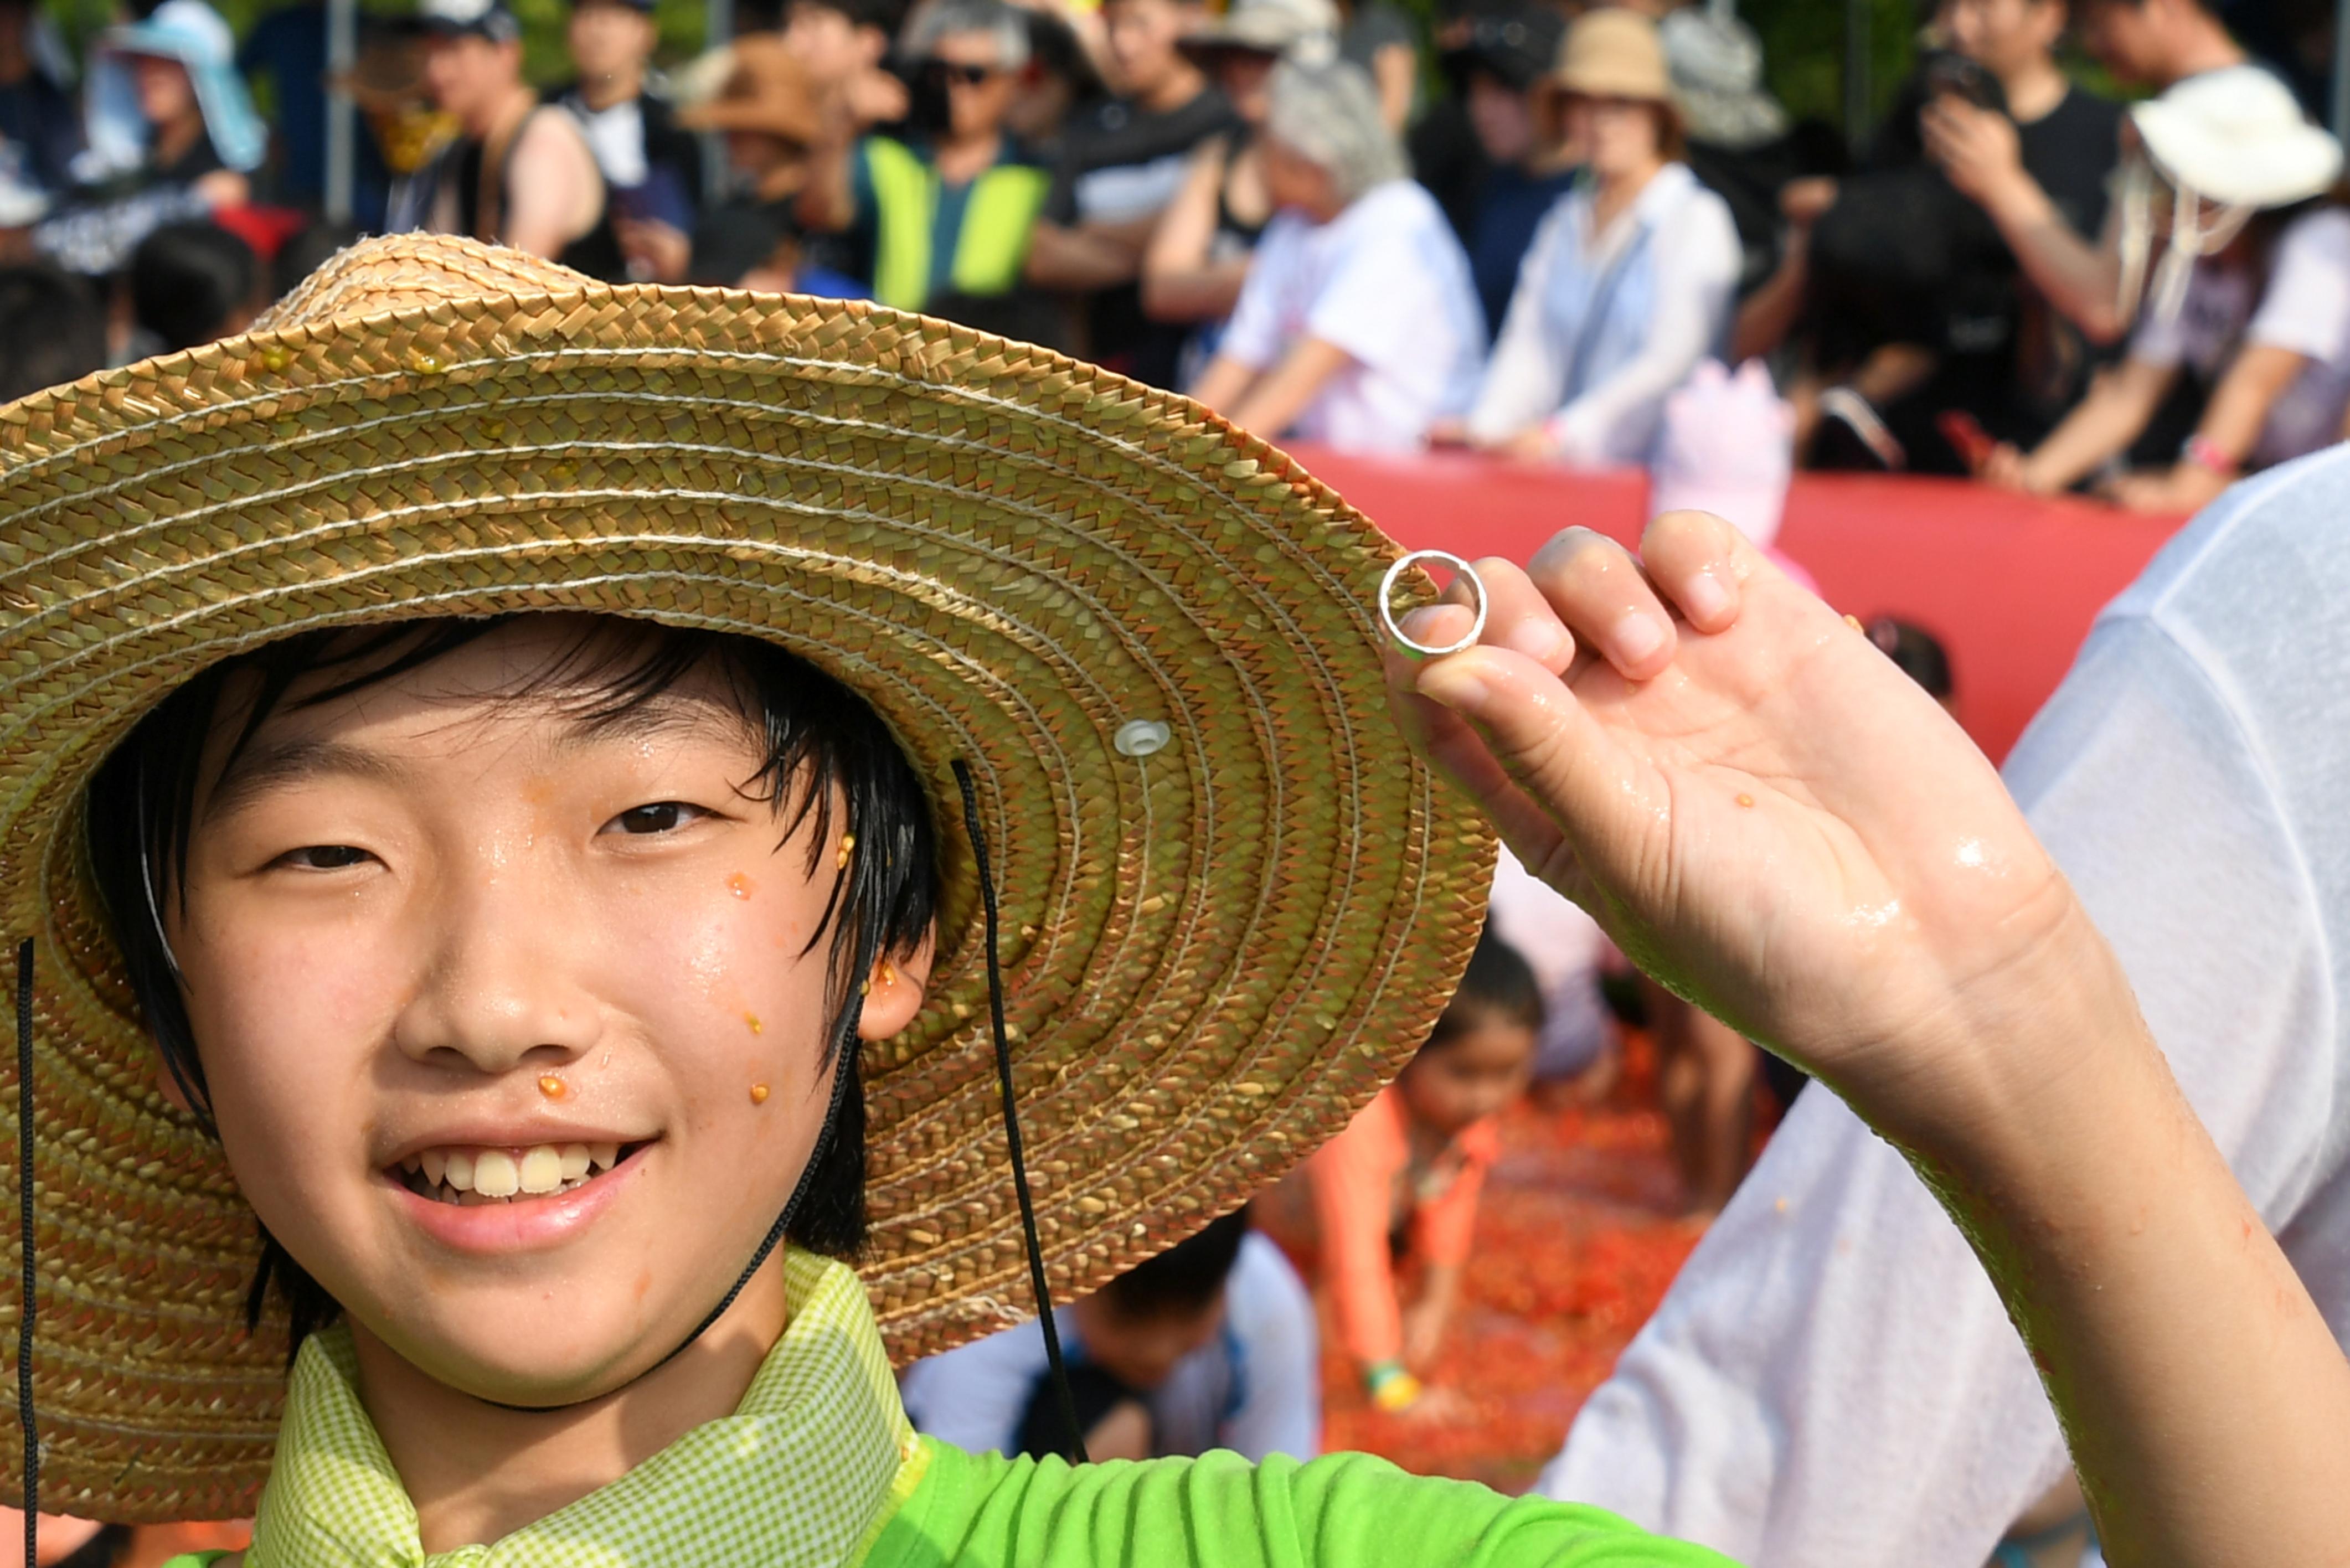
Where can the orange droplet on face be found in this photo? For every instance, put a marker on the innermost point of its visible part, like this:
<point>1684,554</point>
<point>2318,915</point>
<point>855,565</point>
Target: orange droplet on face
<point>553,1087</point>
<point>758,1094</point>
<point>753,1020</point>
<point>1747,800</point>
<point>739,885</point>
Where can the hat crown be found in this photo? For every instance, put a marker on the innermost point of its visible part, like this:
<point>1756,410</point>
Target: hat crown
<point>403,272</point>
<point>2238,135</point>
<point>1614,53</point>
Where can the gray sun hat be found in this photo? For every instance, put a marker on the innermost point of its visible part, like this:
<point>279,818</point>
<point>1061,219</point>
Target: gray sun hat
<point>1716,63</point>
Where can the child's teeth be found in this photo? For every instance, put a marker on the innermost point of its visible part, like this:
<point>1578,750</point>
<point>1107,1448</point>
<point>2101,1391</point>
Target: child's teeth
<point>436,1164</point>
<point>604,1154</point>
<point>575,1160</point>
<point>494,1174</point>
<point>542,1169</point>
<point>459,1173</point>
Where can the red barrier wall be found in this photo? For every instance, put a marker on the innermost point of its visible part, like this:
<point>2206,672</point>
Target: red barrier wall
<point>2009,583</point>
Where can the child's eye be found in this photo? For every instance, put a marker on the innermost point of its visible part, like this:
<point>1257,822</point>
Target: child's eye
<point>660,817</point>
<point>324,857</point>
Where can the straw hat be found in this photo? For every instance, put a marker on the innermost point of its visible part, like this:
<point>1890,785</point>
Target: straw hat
<point>1232,903</point>
<point>1614,53</point>
<point>766,91</point>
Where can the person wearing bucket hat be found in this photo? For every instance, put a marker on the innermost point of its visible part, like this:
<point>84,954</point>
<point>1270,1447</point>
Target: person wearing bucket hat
<point>1627,283</point>
<point>2251,302</point>
<point>546,814</point>
<point>165,96</point>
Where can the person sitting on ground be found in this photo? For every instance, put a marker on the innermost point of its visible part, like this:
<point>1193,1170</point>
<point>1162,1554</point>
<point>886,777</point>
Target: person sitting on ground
<point>941,215</point>
<point>652,165</point>
<point>1905,301</point>
<point>1501,72</point>
<point>1199,253</point>
<point>520,173</point>
<point>2262,321</point>
<point>1211,1345</point>
<point>1627,283</point>
<point>191,284</point>
<point>1395,1195</point>
<point>1122,162</point>
<point>1358,323</point>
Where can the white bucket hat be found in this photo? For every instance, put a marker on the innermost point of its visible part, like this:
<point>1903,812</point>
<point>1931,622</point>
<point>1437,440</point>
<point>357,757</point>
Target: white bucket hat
<point>2234,139</point>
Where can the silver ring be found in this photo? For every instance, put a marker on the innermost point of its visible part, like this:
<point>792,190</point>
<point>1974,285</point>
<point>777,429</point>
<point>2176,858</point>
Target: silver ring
<point>1387,603</point>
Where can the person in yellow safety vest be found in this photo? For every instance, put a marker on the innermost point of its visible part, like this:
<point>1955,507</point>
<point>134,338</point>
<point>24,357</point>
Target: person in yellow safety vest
<point>946,213</point>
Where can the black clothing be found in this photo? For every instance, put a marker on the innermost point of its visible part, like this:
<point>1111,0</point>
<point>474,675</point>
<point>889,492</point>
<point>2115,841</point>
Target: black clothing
<point>671,150</point>
<point>1120,161</point>
<point>40,120</point>
<point>596,252</point>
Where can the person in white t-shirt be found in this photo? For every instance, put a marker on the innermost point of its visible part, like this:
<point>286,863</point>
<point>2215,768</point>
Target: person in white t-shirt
<point>1212,1345</point>
<point>1359,325</point>
<point>2263,319</point>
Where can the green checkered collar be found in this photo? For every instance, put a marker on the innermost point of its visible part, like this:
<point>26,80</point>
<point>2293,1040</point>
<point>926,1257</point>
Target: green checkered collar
<point>804,1473</point>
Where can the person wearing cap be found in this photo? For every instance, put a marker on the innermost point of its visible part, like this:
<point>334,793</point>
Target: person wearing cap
<point>652,165</point>
<point>1122,162</point>
<point>943,213</point>
<point>520,173</point>
<point>166,102</point>
<point>2257,312</point>
<point>1627,283</point>
<point>1501,67</point>
<point>1357,325</point>
<point>2091,278</point>
<point>1199,253</point>
<point>550,816</point>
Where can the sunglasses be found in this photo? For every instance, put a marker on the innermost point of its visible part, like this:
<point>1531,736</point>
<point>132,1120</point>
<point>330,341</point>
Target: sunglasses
<point>955,74</point>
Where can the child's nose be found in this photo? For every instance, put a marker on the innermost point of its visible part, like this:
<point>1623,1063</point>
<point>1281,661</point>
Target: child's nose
<point>502,981</point>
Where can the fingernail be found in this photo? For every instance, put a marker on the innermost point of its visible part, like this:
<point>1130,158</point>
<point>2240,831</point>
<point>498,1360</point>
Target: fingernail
<point>1636,636</point>
<point>1540,640</point>
<point>1704,597</point>
<point>1452,687</point>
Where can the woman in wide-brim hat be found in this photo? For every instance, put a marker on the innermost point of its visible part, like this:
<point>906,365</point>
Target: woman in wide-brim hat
<point>1628,281</point>
<point>1193,903</point>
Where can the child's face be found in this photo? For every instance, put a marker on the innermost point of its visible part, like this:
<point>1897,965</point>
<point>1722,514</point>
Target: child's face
<point>1143,1352</point>
<point>1472,1075</point>
<point>438,923</point>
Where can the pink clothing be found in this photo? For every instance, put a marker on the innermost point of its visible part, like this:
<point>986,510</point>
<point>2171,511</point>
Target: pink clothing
<point>1362,1180</point>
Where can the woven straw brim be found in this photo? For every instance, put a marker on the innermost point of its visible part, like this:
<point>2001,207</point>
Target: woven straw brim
<point>1215,951</point>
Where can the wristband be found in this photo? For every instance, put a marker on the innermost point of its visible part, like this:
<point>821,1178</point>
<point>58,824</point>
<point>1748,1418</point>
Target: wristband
<point>1391,1388</point>
<point>2204,452</point>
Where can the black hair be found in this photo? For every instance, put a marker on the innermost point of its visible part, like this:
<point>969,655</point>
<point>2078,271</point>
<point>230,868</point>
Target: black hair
<point>888,15</point>
<point>52,330</point>
<point>1499,982</point>
<point>825,750</point>
<point>1915,652</point>
<point>190,281</point>
<point>1186,1277</point>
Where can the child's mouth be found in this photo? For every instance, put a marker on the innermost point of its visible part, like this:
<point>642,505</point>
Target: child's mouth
<point>469,1175</point>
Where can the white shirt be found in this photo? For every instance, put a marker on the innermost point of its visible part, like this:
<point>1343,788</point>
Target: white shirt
<point>1254,1389</point>
<point>2306,308</point>
<point>1831,1379</point>
<point>1601,326</point>
<point>1387,281</point>
<point>617,137</point>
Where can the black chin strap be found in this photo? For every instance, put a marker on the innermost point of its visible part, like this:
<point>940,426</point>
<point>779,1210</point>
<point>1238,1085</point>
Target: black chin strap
<point>1012,1121</point>
<point>26,1239</point>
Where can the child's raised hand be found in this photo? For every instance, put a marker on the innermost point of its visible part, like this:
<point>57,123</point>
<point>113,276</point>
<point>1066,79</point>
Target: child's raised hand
<point>1759,808</point>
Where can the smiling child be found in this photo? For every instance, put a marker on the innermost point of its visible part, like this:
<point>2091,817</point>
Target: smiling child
<point>541,822</point>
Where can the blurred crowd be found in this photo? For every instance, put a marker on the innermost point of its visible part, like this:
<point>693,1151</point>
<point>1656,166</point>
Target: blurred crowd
<point>1516,226</point>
